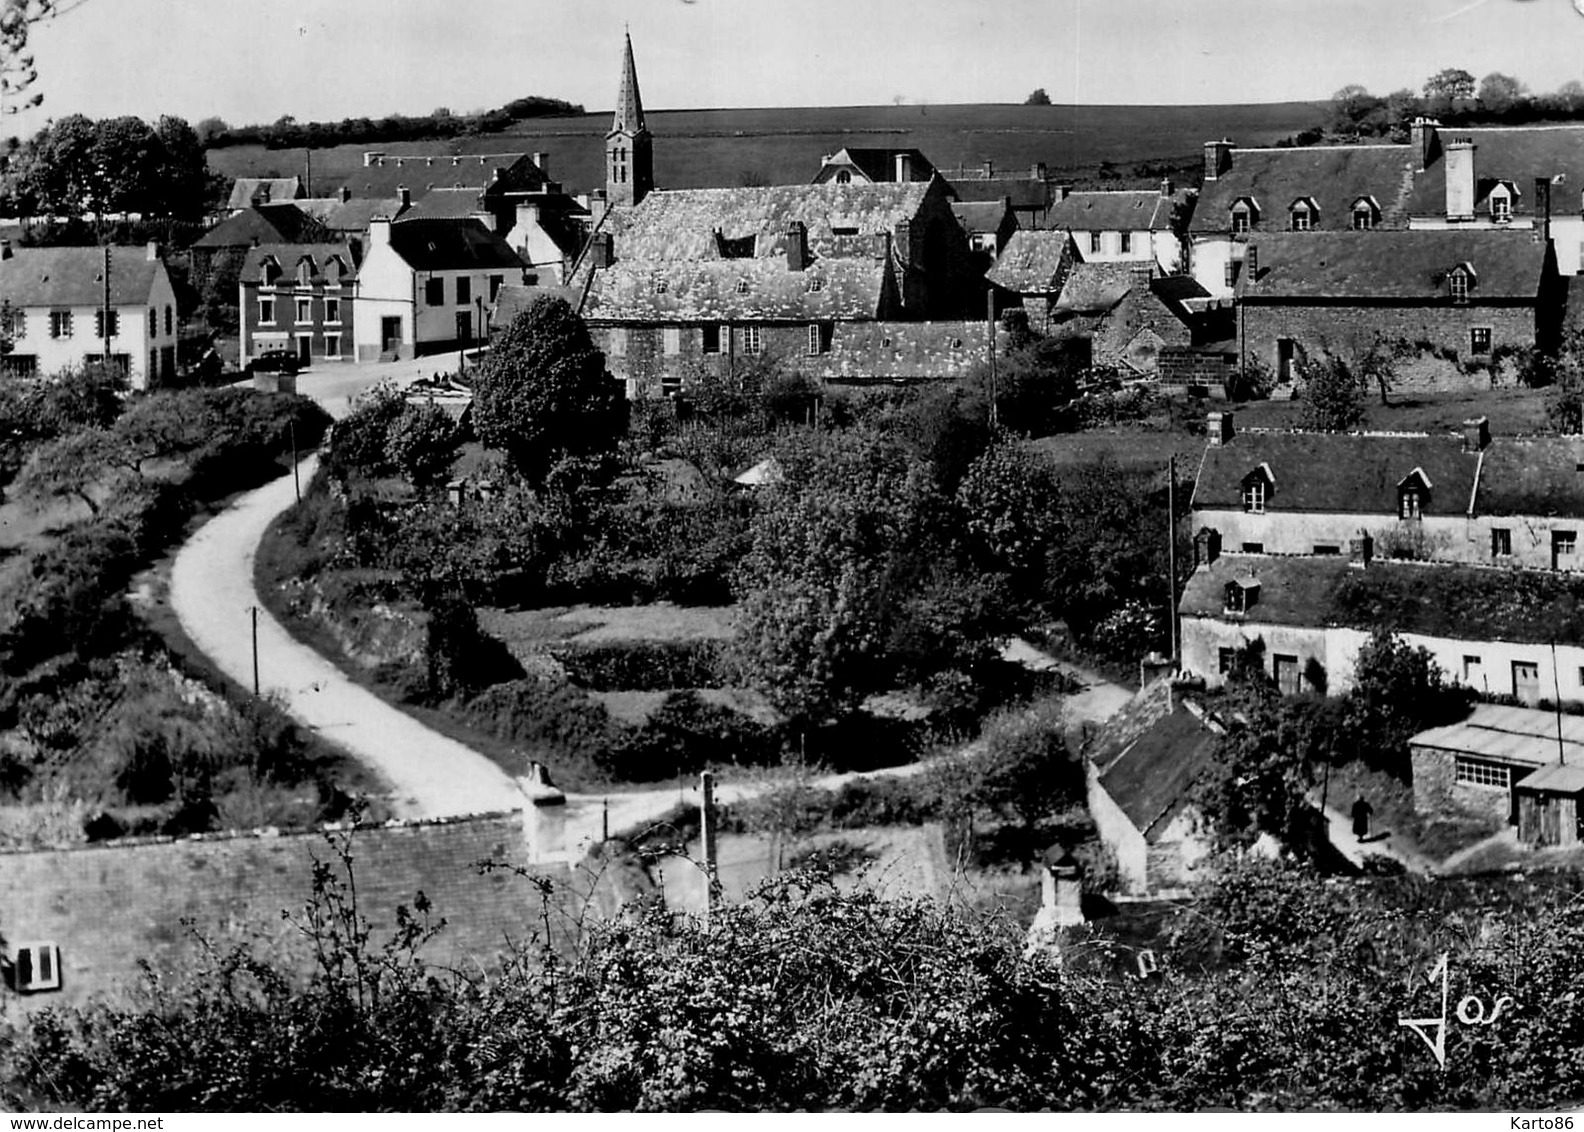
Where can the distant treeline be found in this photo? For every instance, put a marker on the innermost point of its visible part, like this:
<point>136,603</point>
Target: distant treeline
<point>288,133</point>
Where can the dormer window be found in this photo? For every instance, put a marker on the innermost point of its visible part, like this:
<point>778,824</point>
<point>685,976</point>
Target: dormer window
<point>844,176</point>
<point>1302,215</point>
<point>1241,595</point>
<point>1245,214</point>
<point>305,271</point>
<point>660,286</point>
<point>740,248</point>
<point>1460,281</point>
<point>334,269</point>
<point>1366,214</point>
<point>269,271</point>
<point>1257,487</point>
<point>816,284</point>
<point>1413,495</point>
<point>742,286</point>
<point>1501,202</point>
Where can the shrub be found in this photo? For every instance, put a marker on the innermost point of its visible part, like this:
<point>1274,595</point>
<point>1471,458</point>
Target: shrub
<point>360,442</point>
<point>687,734</point>
<point>549,717</point>
<point>421,442</point>
<point>643,666</point>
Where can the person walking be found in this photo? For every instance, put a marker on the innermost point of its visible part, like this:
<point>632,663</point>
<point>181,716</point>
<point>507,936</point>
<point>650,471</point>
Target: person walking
<point>1361,818</point>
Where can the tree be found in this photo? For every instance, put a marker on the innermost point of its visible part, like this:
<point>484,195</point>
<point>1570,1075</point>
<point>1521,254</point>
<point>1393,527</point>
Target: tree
<point>1376,367</point>
<point>1449,86</point>
<point>1026,769</point>
<point>360,442</point>
<point>209,129</point>
<point>422,442</point>
<point>17,19</point>
<point>1260,779</point>
<point>1037,98</point>
<point>1564,373</point>
<point>1010,502</point>
<point>70,468</point>
<point>181,173</point>
<point>1499,93</point>
<point>1351,108</point>
<point>543,391</point>
<point>1398,690</point>
<point>1333,396</point>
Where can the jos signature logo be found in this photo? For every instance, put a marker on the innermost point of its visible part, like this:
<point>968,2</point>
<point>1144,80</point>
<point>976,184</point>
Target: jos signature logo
<point>1470,1012</point>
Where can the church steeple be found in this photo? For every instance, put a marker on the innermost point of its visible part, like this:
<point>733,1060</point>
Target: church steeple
<point>629,151</point>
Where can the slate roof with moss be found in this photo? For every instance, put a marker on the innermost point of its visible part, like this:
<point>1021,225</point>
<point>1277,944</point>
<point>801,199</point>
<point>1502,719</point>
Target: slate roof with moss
<point>1338,472</point>
<point>842,220</point>
<point>444,204</point>
<point>984,217</point>
<point>1093,288</point>
<point>1333,177</point>
<point>1346,267</point>
<point>868,352</point>
<point>1033,261</point>
<point>74,277</point>
<point>515,299</point>
<point>1125,210</point>
<point>1149,755</point>
<point>1023,193</point>
<point>748,289</point>
<point>1517,154</point>
<point>1542,476</point>
<point>1474,603</point>
<point>269,224</point>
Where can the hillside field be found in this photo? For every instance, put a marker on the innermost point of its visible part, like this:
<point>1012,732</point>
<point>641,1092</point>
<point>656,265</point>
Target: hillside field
<point>703,148</point>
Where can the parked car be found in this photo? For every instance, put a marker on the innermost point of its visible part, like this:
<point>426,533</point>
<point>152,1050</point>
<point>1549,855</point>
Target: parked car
<point>275,361</point>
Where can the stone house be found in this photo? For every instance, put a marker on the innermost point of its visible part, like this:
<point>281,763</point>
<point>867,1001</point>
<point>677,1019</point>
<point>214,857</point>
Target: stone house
<point>60,298</point>
<point>1485,764</point>
<point>1129,313</point>
<point>1465,498</point>
<point>300,299</point>
<point>220,251</point>
<point>1031,271</point>
<point>1125,225</point>
<point>1140,771</point>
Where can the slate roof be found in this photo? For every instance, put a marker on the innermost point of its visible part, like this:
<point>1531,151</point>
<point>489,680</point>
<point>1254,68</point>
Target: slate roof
<point>1556,778</point>
<point>74,277</point>
<point>1509,733</point>
<point>562,218</point>
<point>1024,193</point>
<point>1332,176</point>
<point>349,217</point>
<point>880,164</point>
<point>1031,262</point>
<point>515,298</point>
<point>1148,756</point>
<point>1347,473</point>
<point>1472,603</point>
<point>289,255</point>
<point>864,352</point>
<point>1514,153</point>
<point>709,291</point>
<point>444,204</point>
<point>679,225</point>
<point>1092,288</point>
<point>270,223</point>
<point>450,245</point>
<point>1346,266</point>
<point>422,172</point>
<point>280,189</point>
<point>981,216</point>
<point>1538,476</point>
<point>1118,210</point>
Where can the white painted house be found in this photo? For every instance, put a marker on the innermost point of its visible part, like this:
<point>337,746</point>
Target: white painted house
<point>59,297</point>
<point>426,286</point>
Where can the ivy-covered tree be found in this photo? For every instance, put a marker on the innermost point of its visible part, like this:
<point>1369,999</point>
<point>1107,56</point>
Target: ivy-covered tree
<point>543,392</point>
<point>1333,396</point>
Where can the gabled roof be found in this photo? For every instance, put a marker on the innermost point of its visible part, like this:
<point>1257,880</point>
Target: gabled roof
<point>1471,603</point>
<point>864,352</point>
<point>1032,262</point>
<point>561,218</point>
<point>1333,176</point>
<point>1510,733</point>
<point>349,217</point>
<point>1538,476</point>
<point>1023,192</point>
<point>1338,473</point>
<point>74,277</point>
<point>444,204</point>
<point>451,245</point>
<point>1392,265</point>
<point>270,223</point>
<point>420,173</point>
<point>708,291</point>
<point>1517,154</point>
<point>290,255</point>
<point>880,164</point>
<point>1124,210</point>
<point>1149,756</point>
<point>1093,288</point>
<point>272,190</point>
<point>985,217</point>
<point>683,224</point>
<point>514,299</point>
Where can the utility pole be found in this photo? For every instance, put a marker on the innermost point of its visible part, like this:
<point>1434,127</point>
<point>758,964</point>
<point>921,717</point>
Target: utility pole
<point>1556,688</point>
<point>707,841</point>
<point>296,481</point>
<point>990,349</point>
<point>1171,550</point>
<point>253,611</point>
<point>105,313</point>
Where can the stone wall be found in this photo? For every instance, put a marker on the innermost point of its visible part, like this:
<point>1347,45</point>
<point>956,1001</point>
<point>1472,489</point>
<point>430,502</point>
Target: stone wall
<point>1436,790</point>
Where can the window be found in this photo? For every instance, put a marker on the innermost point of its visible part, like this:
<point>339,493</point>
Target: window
<point>1301,218</point>
<point>1458,286</point>
<point>99,324</point>
<point>36,967</point>
<point>153,321</point>
<point>305,270</point>
<point>1240,220</point>
<point>18,324</point>
<point>464,291</point>
<point>711,339</point>
<point>844,176</point>
<point>672,338</point>
<point>269,272</point>
<point>1324,548</point>
<point>660,286</point>
<point>816,339</point>
<point>1254,496</point>
<point>1253,548</point>
<point>23,366</point>
<point>1241,595</point>
<point>1409,503</point>
<point>1486,773</point>
<point>1480,340</point>
<point>1501,542</point>
<point>334,269</point>
<point>742,286</point>
<point>266,309</point>
<point>816,284</point>
<point>1564,542</point>
<point>332,345</point>
<point>1094,243</point>
<point>304,310</point>
<point>434,292</point>
<point>1225,659</point>
<point>332,310</point>
<point>1127,241</point>
<point>1500,207</point>
<point>1363,216</point>
<point>753,342</point>
<point>170,320</point>
<point>495,285</point>
<point>1473,671</point>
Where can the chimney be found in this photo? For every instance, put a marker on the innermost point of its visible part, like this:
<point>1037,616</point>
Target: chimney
<point>1061,892</point>
<point>379,231</point>
<point>1037,171</point>
<point>1217,158</point>
<point>1361,551</point>
<point>527,213</point>
<point>1218,427</point>
<point>1167,188</point>
<point>373,157</point>
<point>904,168</point>
<point>346,193</point>
<point>1458,159</point>
<point>151,252</point>
<point>797,246</point>
<point>603,250</point>
<point>5,249</point>
<point>598,205</point>
<point>1207,546</point>
<point>542,160</point>
<point>1060,193</point>
<point>1251,263</point>
<point>1542,209</point>
<point>406,196</point>
<point>1476,434</point>
<point>1425,141</point>
<point>989,168</point>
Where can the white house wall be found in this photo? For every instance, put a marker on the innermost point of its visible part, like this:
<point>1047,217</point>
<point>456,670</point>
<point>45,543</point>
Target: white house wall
<point>132,337</point>
<point>1119,834</point>
<point>1210,255</point>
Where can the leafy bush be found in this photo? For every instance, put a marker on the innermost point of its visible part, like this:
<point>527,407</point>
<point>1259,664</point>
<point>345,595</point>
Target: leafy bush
<point>360,442</point>
<point>643,666</point>
<point>421,443</point>
<point>550,718</point>
<point>687,734</point>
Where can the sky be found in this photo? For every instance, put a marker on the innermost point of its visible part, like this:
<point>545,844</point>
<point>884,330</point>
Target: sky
<point>247,61</point>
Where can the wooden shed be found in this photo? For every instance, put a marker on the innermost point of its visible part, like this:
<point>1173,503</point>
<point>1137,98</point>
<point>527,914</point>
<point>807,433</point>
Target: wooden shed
<point>1548,805</point>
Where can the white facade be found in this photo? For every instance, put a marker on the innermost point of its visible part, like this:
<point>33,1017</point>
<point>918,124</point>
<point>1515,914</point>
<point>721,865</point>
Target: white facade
<point>1138,246</point>
<point>542,254</point>
<point>1208,260</point>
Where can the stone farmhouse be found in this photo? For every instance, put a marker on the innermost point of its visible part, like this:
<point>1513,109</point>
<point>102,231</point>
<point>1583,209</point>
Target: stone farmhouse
<point>1031,271</point>
<point>298,299</point>
<point>60,301</point>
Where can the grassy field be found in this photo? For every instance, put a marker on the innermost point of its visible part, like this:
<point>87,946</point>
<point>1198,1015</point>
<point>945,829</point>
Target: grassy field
<point>1512,412</point>
<point>700,148</point>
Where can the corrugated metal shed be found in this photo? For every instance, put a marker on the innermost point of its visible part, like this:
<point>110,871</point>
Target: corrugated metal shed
<point>1558,778</point>
<point>1511,734</point>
